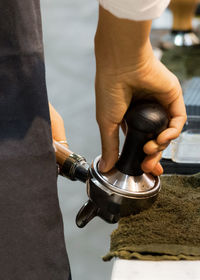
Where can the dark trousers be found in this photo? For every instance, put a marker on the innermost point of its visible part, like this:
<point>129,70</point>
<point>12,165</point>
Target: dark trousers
<point>31,230</point>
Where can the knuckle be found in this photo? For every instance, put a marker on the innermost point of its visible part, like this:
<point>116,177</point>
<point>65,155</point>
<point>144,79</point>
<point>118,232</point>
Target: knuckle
<point>175,87</point>
<point>175,82</point>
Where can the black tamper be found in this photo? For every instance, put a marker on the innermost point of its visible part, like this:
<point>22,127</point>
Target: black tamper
<point>126,189</point>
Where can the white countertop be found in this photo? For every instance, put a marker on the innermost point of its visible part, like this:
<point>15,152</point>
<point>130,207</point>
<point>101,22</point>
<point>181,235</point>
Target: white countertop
<point>155,270</point>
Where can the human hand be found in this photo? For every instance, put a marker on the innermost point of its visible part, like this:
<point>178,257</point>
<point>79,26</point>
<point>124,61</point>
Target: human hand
<point>126,69</point>
<point>57,126</point>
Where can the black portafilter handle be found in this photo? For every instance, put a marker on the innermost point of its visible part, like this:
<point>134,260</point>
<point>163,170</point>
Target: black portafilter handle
<point>145,120</point>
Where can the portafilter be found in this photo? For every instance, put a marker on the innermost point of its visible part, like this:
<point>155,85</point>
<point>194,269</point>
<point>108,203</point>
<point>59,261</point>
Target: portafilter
<point>125,189</point>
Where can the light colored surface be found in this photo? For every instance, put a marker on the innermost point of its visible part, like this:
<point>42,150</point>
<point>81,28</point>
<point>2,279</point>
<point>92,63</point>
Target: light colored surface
<point>159,270</point>
<point>186,148</point>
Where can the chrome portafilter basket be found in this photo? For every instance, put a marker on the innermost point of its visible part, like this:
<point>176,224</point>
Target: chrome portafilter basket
<point>126,189</point>
<point>114,195</point>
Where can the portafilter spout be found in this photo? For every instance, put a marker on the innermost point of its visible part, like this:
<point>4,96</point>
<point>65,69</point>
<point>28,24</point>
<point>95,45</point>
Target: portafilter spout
<point>126,189</point>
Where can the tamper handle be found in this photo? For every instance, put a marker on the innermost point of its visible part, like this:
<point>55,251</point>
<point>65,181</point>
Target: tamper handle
<point>145,120</point>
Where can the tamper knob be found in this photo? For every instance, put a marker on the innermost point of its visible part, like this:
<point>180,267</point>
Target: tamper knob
<point>145,120</point>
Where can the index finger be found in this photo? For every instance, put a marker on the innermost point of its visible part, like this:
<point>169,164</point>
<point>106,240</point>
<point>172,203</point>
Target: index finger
<point>178,118</point>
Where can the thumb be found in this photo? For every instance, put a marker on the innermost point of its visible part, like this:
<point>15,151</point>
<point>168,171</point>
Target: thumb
<point>110,145</point>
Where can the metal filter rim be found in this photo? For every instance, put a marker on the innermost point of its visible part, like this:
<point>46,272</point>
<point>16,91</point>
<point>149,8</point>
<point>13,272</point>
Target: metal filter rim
<point>138,195</point>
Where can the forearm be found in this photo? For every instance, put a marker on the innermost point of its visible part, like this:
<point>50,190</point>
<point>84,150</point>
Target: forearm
<point>120,43</point>
<point>127,68</point>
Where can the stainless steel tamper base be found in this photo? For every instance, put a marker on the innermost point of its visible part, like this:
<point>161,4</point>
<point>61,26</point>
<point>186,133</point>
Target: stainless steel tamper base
<point>135,187</point>
<point>114,195</point>
<point>180,39</point>
<point>118,194</point>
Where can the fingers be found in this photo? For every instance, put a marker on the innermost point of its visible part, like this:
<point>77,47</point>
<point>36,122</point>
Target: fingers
<point>57,125</point>
<point>150,164</point>
<point>110,145</point>
<point>158,170</point>
<point>165,87</point>
<point>175,127</point>
<point>110,152</point>
<point>112,101</point>
<point>178,118</point>
<point>153,147</point>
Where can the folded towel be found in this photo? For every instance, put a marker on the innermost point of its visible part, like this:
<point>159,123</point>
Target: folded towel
<point>169,230</point>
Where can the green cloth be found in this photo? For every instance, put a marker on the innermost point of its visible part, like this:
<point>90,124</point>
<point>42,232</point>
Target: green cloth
<point>169,230</point>
<point>184,62</point>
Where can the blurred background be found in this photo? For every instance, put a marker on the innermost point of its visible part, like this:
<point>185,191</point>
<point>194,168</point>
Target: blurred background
<point>69,27</point>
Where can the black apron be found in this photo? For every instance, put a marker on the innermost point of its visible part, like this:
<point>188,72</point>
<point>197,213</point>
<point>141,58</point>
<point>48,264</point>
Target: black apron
<point>31,230</point>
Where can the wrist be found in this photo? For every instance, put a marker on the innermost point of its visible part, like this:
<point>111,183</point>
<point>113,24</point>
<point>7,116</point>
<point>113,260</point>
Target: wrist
<point>120,43</point>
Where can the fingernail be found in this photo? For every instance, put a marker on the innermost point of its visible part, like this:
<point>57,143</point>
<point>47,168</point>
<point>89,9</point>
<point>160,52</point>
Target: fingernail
<point>102,165</point>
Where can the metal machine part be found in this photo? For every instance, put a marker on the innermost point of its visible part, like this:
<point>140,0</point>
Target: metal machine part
<point>145,185</point>
<point>71,165</point>
<point>179,39</point>
<point>116,196</point>
<point>75,168</point>
<point>126,189</point>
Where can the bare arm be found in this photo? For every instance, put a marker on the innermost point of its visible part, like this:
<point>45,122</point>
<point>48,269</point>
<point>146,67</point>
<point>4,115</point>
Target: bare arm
<point>126,67</point>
